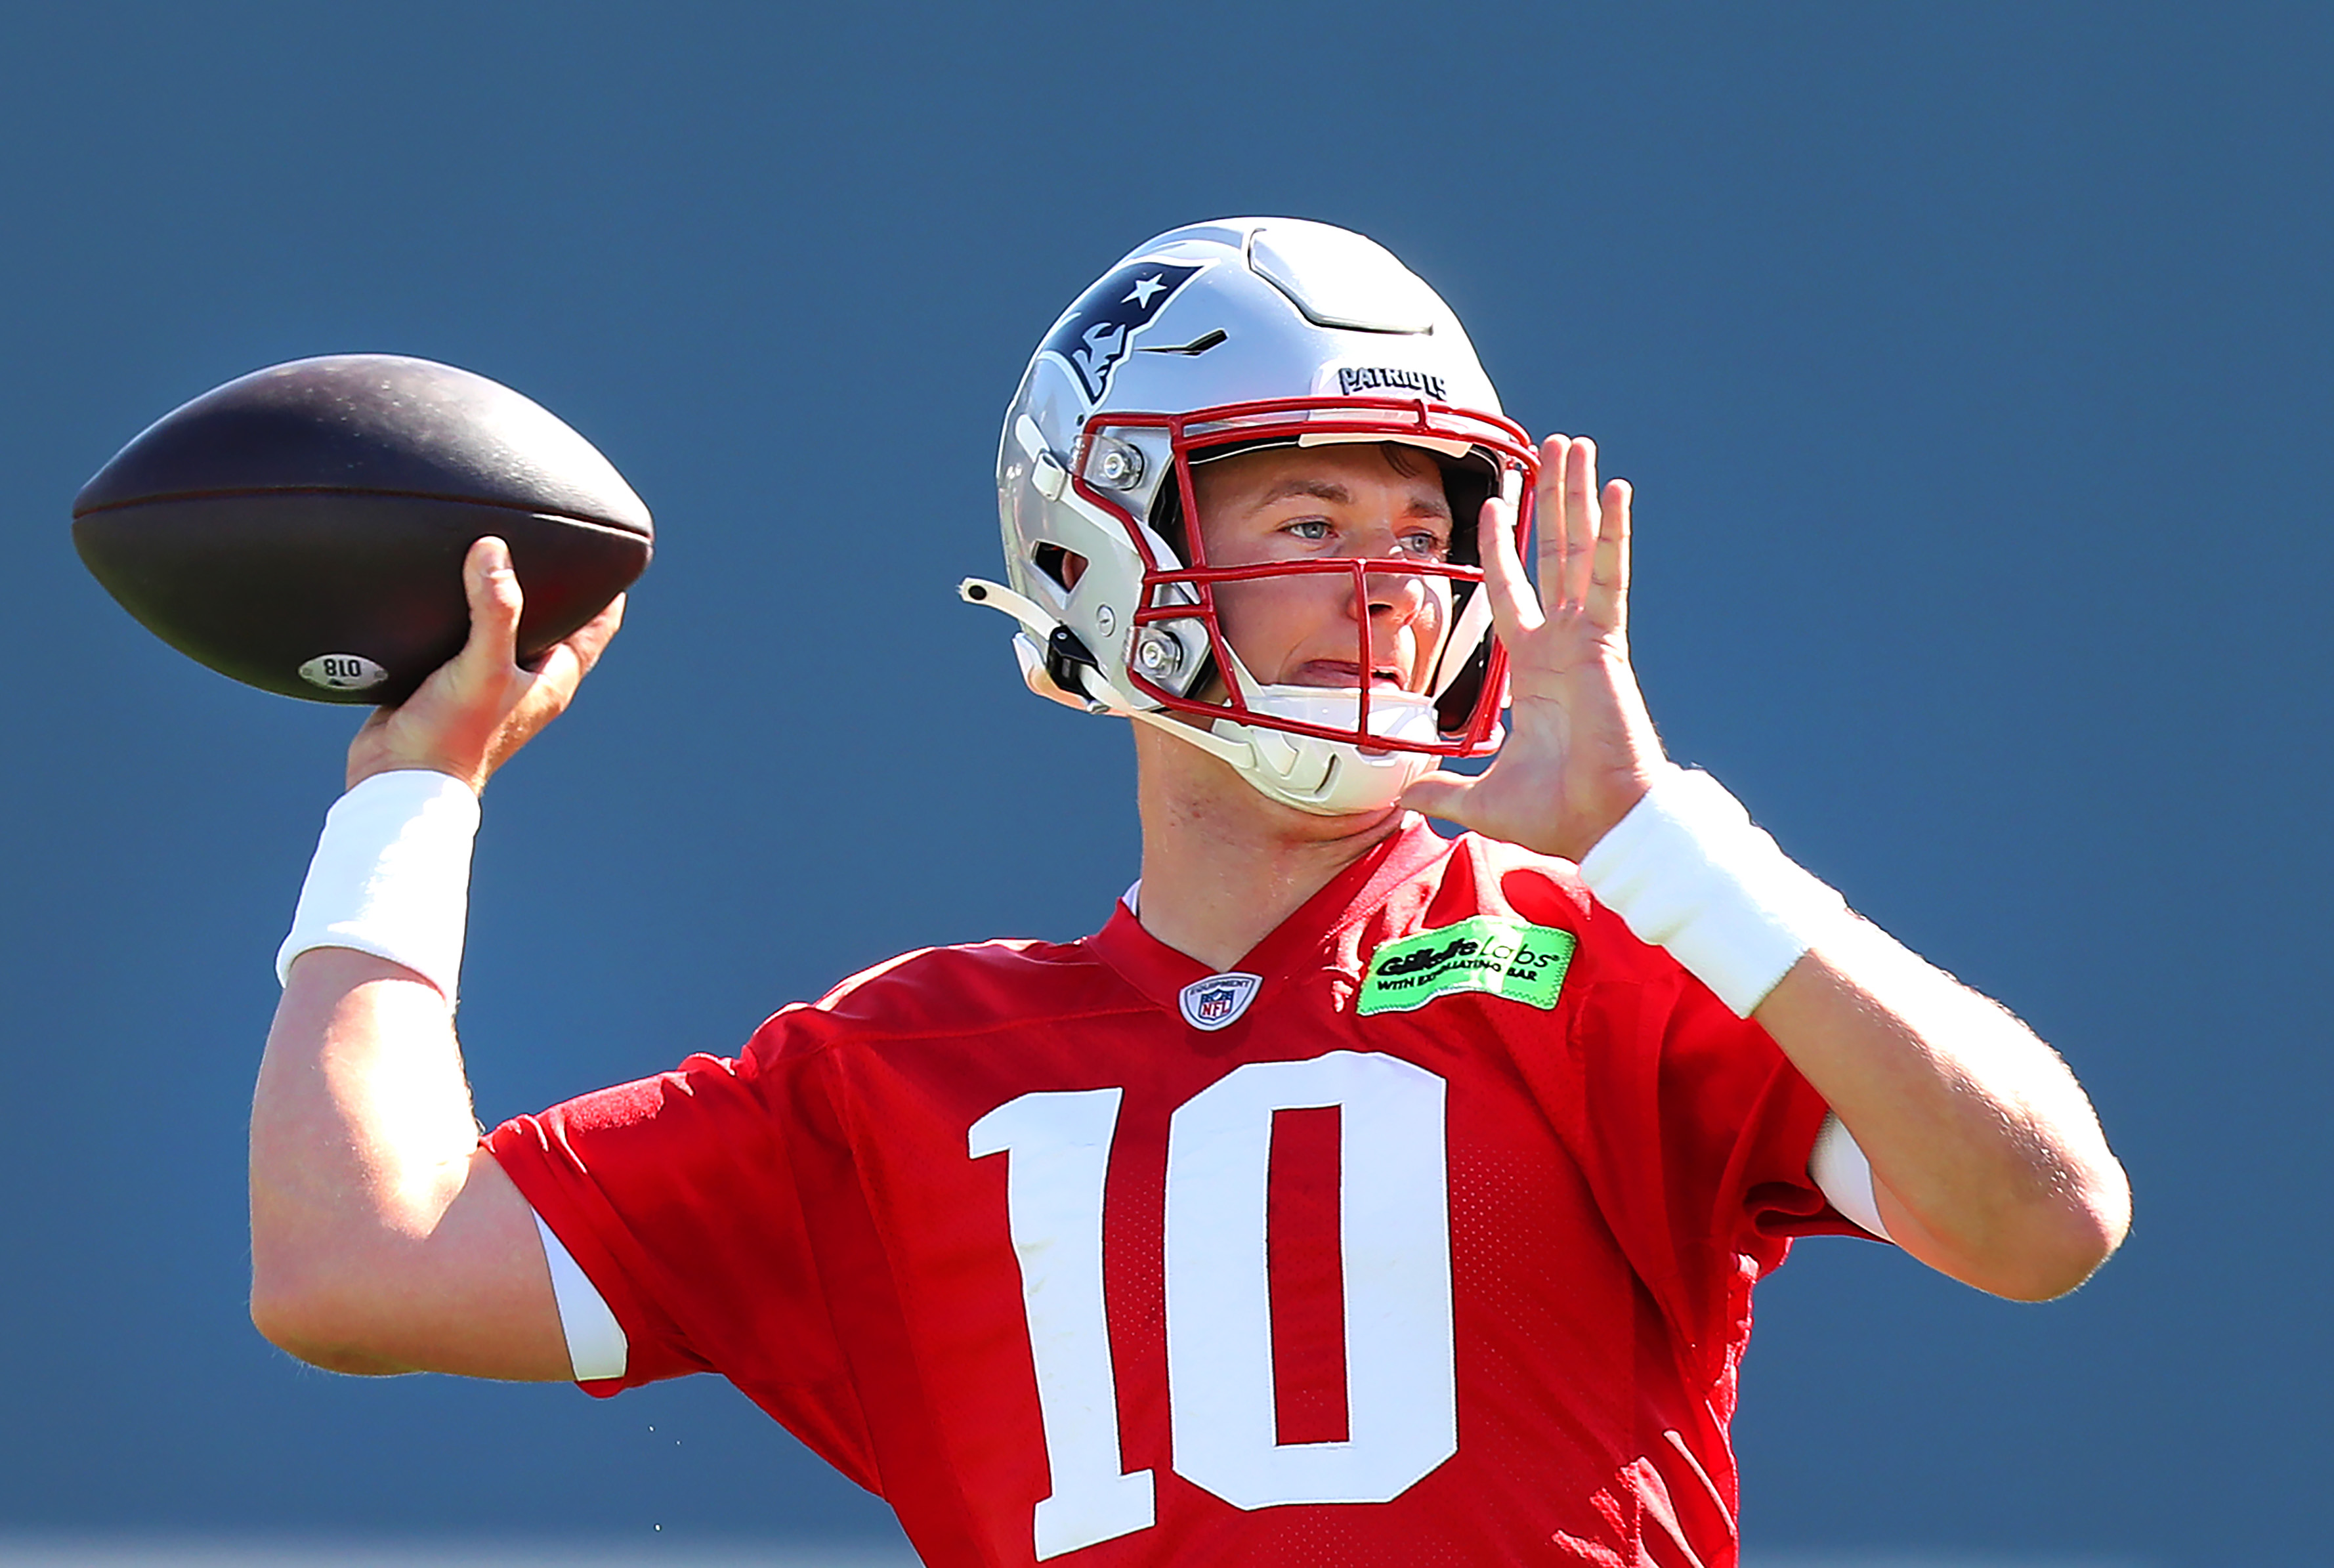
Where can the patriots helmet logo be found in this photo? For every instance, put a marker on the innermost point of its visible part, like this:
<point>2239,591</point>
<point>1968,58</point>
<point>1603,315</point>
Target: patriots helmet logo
<point>1099,329</point>
<point>1219,999</point>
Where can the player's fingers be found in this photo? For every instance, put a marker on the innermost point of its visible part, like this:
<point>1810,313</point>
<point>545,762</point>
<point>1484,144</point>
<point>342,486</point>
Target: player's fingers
<point>592,640</point>
<point>1580,520</point>
<point>563,665</point>
<point>1514,611</point>
<point>553,681</point>
<point>1608,583</point>
<point>496,601</point>
<point>1547,518</point>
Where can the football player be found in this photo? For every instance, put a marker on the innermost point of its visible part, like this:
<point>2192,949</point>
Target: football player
<point>1353,1196</point>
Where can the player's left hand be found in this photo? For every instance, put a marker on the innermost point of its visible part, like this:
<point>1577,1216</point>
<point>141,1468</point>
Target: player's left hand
<point>1581,749</point>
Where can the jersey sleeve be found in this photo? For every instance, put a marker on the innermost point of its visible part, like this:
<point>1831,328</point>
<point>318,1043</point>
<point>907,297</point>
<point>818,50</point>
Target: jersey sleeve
<point>679,1197</point>
<point>1692,1125</point>
<point>1738,1125</point>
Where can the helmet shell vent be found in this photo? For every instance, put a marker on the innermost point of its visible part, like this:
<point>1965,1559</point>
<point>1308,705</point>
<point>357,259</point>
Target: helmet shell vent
<point>1338,279</point>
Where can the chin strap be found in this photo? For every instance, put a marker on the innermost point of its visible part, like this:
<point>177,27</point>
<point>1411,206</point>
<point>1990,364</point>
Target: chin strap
<point>1039,621</point>
<point>1038,625</point>
<point>1245,752</point>
<point>1239,753</point>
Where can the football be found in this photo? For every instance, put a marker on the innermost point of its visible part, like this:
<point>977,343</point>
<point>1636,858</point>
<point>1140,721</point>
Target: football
<point>302,528</point>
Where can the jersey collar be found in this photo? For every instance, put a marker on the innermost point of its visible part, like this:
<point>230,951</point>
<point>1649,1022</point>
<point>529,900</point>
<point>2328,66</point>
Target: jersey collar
<point>1159,972</point>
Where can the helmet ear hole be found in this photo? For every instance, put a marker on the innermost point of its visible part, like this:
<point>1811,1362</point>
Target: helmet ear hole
<point>1064,567</point>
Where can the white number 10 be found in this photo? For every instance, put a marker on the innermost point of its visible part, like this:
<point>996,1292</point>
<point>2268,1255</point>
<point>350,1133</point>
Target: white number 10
<point>1394,1233</point>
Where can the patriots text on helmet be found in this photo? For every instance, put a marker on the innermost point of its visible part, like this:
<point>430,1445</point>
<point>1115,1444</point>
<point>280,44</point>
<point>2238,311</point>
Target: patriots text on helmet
<point>1354,379</point>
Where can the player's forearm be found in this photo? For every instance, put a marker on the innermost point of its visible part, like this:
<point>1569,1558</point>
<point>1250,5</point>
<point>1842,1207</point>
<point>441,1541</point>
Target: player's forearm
<point>1988,1160</point>
<point>362,1136</point>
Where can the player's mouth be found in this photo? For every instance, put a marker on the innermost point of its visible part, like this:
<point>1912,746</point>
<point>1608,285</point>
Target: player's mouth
<point>1345,672</point>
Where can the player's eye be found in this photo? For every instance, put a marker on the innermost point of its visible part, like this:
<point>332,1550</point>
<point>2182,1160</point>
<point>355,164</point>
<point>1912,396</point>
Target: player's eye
<point>1309,528</point>
<point>1426,545</point>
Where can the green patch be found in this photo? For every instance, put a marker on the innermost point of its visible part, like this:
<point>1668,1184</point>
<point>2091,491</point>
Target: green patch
<point>1506,958</point>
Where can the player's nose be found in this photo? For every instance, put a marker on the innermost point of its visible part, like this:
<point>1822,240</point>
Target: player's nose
<point>1394,594</point>
<point>1402,612</point>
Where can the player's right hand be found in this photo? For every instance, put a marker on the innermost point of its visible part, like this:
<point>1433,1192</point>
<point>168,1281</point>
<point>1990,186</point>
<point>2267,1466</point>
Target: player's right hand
<point>482,705</point>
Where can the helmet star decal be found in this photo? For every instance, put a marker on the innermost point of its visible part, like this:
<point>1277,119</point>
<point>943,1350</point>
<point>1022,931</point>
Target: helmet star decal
<point>1098,331</point>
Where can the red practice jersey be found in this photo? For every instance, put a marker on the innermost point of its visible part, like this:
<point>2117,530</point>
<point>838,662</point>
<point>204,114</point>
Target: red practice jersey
<point>1426,1237</point>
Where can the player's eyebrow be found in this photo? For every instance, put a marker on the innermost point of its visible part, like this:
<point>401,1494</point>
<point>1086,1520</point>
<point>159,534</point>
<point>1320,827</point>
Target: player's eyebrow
<point>1328,490</point>
<point>1337,495</point>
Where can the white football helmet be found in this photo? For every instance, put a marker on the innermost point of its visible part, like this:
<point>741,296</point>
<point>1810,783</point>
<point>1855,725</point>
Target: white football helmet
<point>1219,338</point>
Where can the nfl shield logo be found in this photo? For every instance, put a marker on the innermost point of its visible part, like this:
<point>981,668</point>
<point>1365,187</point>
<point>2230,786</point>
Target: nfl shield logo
<point>1219,999</point>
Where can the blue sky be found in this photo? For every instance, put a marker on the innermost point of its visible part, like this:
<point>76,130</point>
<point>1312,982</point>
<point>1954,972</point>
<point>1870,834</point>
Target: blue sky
<point>1970,363</point>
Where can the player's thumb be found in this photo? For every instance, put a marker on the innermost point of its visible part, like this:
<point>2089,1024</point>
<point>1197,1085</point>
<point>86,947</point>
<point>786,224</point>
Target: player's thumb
<point>1441,794</point>
<point>495,599</point>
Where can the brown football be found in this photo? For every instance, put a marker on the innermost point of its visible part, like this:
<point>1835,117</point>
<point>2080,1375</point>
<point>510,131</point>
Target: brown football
<point>302,528</point>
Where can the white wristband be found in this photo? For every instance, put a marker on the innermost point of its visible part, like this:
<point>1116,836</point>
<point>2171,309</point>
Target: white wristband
<point>392,875</point>
<point>1688,871</point>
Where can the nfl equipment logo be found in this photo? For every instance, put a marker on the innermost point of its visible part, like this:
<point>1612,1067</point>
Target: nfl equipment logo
<point>1219,999</point>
